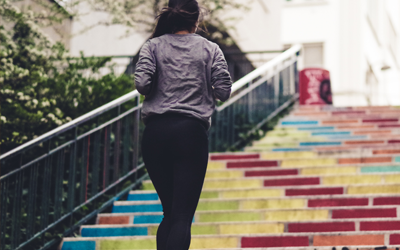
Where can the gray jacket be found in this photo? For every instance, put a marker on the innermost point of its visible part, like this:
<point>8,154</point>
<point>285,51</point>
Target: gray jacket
<point>182,74</point>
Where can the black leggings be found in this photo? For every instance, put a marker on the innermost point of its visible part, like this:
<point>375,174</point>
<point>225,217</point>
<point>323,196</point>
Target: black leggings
<point>175,152</point>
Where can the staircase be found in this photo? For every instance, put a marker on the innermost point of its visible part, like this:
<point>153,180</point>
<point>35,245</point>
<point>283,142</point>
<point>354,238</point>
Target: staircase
<point>325,177</point>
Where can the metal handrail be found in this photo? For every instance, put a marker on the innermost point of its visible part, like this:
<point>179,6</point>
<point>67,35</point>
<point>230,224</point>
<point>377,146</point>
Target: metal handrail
<point>73,123</point>
<point>267,66</point>
<point>235,87</point>
<point>263,93</point>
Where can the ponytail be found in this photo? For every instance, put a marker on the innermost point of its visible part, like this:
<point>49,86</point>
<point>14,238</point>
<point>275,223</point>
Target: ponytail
<point>179,15</point>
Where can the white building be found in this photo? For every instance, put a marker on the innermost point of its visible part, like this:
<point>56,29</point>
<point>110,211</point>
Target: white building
<point>356,40</point>
<point>257,29</point>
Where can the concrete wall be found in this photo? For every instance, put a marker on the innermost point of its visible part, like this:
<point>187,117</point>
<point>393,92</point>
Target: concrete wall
<point>353,49</point>
<point>57,32</point>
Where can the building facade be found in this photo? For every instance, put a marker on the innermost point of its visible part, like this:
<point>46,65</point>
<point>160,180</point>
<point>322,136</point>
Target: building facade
<point>357,41</point>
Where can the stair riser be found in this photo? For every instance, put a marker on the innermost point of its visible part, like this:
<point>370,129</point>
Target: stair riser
<point>248,228</point>
<point>198,242</point>
<point>301,163</point>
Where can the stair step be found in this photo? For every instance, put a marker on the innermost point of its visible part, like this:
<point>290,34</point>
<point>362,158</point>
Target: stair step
<point>232,228</point>
<point>301,163</point>
<point>295,216</point>
<point>313,201</point>
<point>268,208</point>
<point>352,183</point>
<point>373,239</point>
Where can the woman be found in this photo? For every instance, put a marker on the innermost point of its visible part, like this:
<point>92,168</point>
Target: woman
<point>181,74</point>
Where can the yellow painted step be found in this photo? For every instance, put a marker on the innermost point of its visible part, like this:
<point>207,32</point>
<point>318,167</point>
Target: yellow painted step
<point>329,170</point>
<point>351,180</point>
<point>374,189</point>
<point>247,228</point>
<point>227,184</point>
<point>308,162</point>
<point>287,155</point>
<point>224,174</point>
<point>214,242</point>
<point>254,193</point>
<point>274,204</point>
<point>297,215</point>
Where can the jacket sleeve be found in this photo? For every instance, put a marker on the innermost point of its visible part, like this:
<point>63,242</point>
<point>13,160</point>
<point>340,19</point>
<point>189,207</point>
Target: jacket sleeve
<point>220,77</point>
<point>145,69</point>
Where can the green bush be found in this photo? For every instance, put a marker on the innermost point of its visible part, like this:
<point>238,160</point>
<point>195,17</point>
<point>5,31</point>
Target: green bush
<point>41,88</point>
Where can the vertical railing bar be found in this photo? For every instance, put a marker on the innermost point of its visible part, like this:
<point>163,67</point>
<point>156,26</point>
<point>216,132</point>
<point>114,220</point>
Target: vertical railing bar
<point>87,169</point>
<point>58,185</point>
<point>32,199</point>
<point>17,210</point>
<point>4,184</point>
<point>135,139</point>
<point>106,157</point>
<point>125,145</point>
<point>72,176</point>
<point>117,150</point>
<point>83,169</point>
<point>45,193</point>
<point>96,164</point>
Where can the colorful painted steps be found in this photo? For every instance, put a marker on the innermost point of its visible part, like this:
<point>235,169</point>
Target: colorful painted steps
<point>304,162</point>
<point>241,241</point>
<point>324,177</point>
<point>240,228</point>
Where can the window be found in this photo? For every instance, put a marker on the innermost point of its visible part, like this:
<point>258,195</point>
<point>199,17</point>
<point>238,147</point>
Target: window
<point>313,55</point>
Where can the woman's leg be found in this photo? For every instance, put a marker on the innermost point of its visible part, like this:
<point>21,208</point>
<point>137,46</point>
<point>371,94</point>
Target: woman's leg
<point>190,164</point>
<point>175,152</point>
<point>159,166</point>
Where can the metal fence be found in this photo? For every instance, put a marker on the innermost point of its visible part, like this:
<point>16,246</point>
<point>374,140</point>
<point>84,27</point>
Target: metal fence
<point>58,181</point>
<point>260,95</point>
<point>48,183</point>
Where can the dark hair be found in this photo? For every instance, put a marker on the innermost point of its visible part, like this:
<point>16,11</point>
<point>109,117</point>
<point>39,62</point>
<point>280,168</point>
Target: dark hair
<point>179,15</point>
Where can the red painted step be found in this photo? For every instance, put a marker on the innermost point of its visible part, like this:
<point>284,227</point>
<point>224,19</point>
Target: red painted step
<point>386,151</point>
<point>271,172</point>
<point>364,213</point>
<point>292,182</point>
<point>283,241</point>
<point>389,126</point>
<point>338,202</point>
<point>381,120</point>
<point>394,239</point>
<point>386,201</point>
<point>393,141</point>
<point>348,112</point>
<point>379,225</point>
<point>321,227</point>
<point>314,191</point>
<point>251,164</point>
<point>234,157</point>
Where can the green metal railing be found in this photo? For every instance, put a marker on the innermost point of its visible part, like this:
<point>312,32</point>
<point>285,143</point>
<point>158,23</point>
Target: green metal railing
<point>49,184</point>
<point>256,98</point>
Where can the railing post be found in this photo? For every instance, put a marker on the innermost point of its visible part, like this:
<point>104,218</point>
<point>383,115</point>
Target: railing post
<point>291,76</point>
<point>106,157</point>
<point>71,172</point>
<point>276,86</point>
<point>135,139</point>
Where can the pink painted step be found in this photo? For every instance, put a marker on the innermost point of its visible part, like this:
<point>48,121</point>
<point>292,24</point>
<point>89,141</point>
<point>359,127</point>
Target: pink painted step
<point>279,172</point>
<point>219,157</point>
<point>251,164</point>
<point>314,191</point>
<point>292,181</point>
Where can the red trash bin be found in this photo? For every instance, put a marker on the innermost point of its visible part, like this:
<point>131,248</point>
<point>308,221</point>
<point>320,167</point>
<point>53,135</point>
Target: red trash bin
<point>315,87</point>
